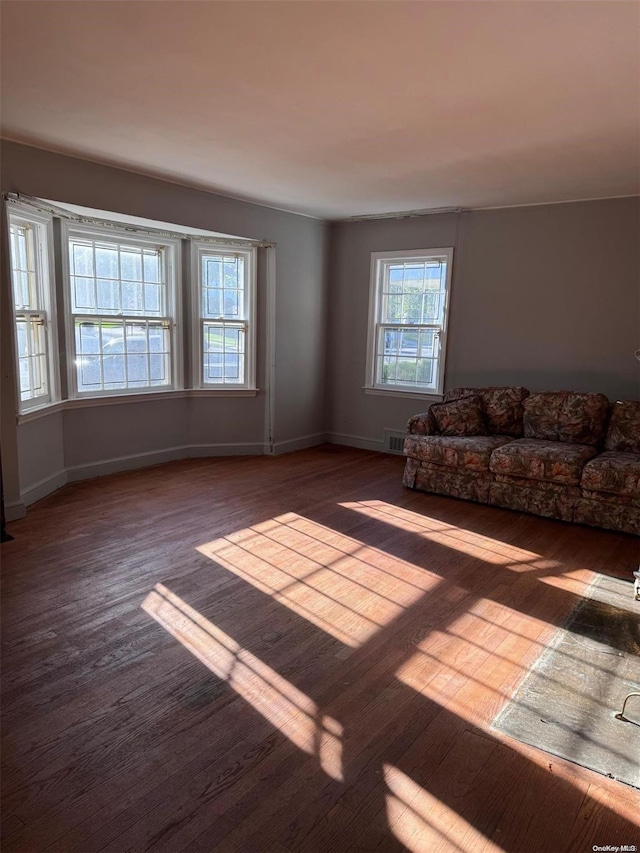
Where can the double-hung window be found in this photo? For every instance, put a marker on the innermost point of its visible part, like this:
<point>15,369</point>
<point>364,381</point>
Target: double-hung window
<point>224,317</point>
<point>30,242</point>
<point>408,320</point>
<point>122,311</point>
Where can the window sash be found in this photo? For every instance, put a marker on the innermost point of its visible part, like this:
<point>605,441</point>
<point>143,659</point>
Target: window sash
<point>32,303</point>
<point>33,361</point>
<point>224,351</point>
<point>408,320</point>
<point>224,317</point>
<point>122,354</point>
<point>408,355</point>
<point>99,335</point>
<point>27,294</point>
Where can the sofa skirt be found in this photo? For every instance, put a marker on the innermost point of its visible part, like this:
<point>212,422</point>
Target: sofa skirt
<point>610,512</point>
<point>452,482</point>
<point>551,500</point>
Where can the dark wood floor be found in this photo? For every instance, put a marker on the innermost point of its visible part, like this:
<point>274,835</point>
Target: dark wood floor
<point>290,654</point>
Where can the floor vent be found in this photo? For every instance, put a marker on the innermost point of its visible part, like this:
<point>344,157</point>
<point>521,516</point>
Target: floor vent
<point>394,441</point>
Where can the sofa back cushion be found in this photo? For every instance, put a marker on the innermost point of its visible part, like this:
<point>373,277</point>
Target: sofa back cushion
<point>566,416</point>
<point>502,407</point>
<point>460,417</point>
<point>624,427</point>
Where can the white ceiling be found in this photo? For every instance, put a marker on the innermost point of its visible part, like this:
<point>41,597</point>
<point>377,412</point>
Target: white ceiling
<point>337,108</point>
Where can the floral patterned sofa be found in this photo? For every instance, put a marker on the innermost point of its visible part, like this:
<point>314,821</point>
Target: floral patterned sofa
<point>562,454</point>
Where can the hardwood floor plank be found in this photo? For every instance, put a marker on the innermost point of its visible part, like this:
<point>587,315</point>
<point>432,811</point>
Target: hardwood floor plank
<point>317,664</point>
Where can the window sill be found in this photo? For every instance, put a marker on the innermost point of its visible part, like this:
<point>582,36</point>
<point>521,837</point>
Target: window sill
<point>430,397</point>
<point>89,402</point>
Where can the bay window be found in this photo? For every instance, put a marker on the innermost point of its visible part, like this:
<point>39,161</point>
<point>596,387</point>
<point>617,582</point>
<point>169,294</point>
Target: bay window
<point>122,312</point>
<point>224,350</point>
<point>31,279</point>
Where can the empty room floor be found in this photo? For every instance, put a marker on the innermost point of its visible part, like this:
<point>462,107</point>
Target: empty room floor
<point>289,654</point>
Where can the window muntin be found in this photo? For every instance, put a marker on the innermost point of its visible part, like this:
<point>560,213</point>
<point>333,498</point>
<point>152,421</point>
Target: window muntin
<point>122,313</point>
<point>408,315</point>
<point>30,277</point>
<point>225,315</point>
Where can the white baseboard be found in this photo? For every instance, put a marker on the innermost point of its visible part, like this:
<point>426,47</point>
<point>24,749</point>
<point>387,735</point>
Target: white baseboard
<point>43,488</point>
<point>357,441</point>
<point>196,451</point>
<point>14,511</point>
<point>125,463</point>
<point>115,465</point>
<point>300,443</point>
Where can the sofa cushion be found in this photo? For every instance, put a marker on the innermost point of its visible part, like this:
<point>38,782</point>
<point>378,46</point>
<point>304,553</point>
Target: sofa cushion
<point>460,417</point>
<point>547,461</point>
<point>618,473</point>
<point>566,416</point>
<point>502,407</point>
<point>624,427</point>
<point>451,451</point>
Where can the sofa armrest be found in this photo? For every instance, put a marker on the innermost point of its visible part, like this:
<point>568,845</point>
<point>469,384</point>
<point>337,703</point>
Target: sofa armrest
<point>422,424</point>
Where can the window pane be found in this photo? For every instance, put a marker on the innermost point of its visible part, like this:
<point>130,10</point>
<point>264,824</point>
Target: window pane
<point>223,287</point>
<point>23,268</point>
<point>412,292</point>
<point>127,279</point>
<point>121,355</point>
<point>224,353</point>
<point>108,295</point>
<point>151,266</point>
<point>32,357</point>
<point>106,261</point>
<point>408,357</point>
<point>84,295</point>
<point>131,264</point>
<point>82,259</point>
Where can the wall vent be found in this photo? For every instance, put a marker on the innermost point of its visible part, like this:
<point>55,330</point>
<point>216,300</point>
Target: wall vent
<point>394,441</point>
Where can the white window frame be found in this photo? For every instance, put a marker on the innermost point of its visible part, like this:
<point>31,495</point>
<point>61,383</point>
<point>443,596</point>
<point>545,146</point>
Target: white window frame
<point>380,261</point>
<point>42,225</point>
<point>198,249</point>
<point>173,266</point>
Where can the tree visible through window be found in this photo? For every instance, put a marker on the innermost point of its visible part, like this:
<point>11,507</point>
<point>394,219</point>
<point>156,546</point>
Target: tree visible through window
<point>408,319</point>
<point>226,299</point>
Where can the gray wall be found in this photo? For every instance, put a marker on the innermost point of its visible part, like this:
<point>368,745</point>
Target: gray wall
<point>90,436</point>
<point>547,297</point>
<point>543,296</point>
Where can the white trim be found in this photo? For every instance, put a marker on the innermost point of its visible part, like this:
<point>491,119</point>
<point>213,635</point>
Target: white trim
<point>172,298</point>
<point>124,463</point>
<point>402,214</point>
<point>45,278</point>
<point>356,441</point>
<point>198,451</point>
<point>91,402</point>
<point>14,511</point>
<point>403,392</point>
<point>44,487</point>
<point>300,443</point>
<point>249,314</point>
<point>430,211</point>
<point>159,457</point>
<point>549,203</point>
<point>379,260</point>
<point>270,356</point>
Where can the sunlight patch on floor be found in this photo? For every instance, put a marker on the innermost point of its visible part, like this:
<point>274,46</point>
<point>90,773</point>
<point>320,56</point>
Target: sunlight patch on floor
<point>423,823</point>
<point>276,699</point>
<point>458,539</point>
<point>335,582</point>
